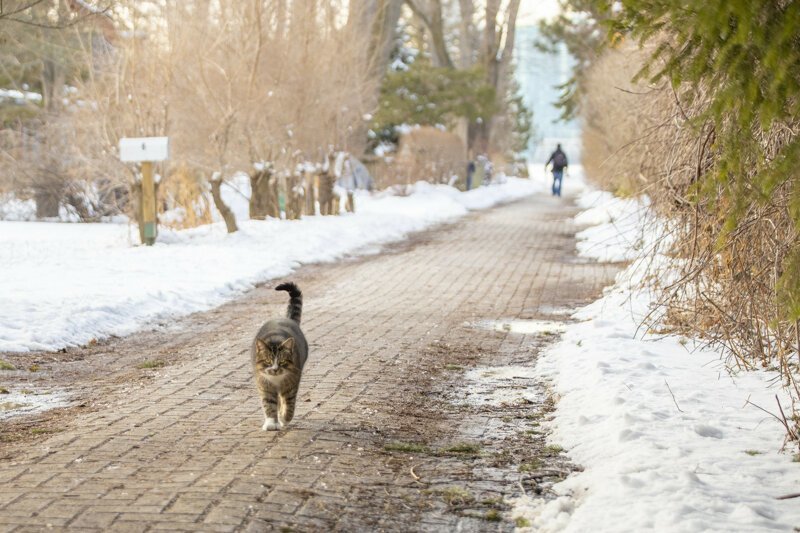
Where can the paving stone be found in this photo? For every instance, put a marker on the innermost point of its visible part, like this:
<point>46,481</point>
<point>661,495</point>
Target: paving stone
<point>185,451</point>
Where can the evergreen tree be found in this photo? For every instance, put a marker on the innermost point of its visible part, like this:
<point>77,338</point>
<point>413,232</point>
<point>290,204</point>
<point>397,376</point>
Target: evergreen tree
<point>742,57</point>
<point>427,95</point>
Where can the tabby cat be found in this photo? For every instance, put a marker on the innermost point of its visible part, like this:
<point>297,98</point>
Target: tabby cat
<point>279,352</point>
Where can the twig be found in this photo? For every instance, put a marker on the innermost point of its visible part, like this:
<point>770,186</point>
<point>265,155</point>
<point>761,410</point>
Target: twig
<point>773,415</point>
<point>673,397</point>
<point>633,92</point>
<point>788,496</point>
<point>785,422</point>
<point>417,478</point>
<point>522,488</point>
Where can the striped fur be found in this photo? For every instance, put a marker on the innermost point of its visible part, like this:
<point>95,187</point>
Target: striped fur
<point>295,308</point>
<point>278,354</point>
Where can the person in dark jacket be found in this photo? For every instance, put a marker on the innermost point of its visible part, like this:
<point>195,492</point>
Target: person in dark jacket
<point>470,173</point>
<point>559,161</point>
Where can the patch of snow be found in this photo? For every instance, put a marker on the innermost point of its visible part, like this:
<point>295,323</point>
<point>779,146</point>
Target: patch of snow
<point>556,311</point>
<point>66,284</point>
<point>384,148</point>
<point>528,327</point>
<point>618,228</point>
<point>500,385</point>
<point>12,208</point>
<point>668,440</point>
<point>29,402</point>
<point>19,97</point>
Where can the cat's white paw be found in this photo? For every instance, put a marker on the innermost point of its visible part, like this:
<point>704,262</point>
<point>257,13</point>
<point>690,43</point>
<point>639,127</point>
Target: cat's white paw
<point>271,425</point>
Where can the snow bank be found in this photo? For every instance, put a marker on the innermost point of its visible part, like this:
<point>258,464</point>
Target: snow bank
<point>12,208</point>
<point>618,226</point>
<point>667,438</point>
<point>66,284</point>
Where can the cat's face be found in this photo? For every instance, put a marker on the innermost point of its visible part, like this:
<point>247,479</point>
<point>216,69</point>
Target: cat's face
<point>273,361</point>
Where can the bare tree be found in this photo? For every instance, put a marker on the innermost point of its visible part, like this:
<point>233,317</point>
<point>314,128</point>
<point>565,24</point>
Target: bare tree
<point>431,17</point>
<point>46,46</point>
<point>486,42</point>
<point>497,50</point>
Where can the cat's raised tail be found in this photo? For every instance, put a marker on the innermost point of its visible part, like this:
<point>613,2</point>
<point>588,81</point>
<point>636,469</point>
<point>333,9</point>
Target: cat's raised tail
<point>295,309</point>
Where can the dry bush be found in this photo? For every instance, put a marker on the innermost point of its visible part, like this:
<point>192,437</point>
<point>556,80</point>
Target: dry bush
<point>185,193</point>
<point>255,83</point>
<point>624,125</point>
<point>230,83</point>
<point>654,140</point>
<point>430,154</point>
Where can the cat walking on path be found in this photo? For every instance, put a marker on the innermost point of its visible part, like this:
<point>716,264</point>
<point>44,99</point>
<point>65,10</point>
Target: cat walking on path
<point>279,353</point>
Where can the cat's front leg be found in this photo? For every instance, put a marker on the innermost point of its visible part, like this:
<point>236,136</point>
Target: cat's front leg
<point>288,401</point>
<point>269,401</point>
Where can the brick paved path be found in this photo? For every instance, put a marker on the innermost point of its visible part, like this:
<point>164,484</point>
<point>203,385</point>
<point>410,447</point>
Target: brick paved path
<point>184,451</point>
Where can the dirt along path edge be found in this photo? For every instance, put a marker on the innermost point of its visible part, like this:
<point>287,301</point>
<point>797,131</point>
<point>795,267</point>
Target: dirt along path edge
<point>398,424</point>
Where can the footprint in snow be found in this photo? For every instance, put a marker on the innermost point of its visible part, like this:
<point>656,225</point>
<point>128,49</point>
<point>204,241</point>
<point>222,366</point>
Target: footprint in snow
<point>705,430</point>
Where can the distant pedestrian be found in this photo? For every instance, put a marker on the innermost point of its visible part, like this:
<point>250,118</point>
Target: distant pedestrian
<point>488,167</point>
<point>470,173</point>
<point>485,167</point>
<point>559,161</point>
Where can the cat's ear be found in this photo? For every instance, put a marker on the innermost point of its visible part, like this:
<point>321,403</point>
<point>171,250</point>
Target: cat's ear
<point>261,347</point>
<point>288,345</point>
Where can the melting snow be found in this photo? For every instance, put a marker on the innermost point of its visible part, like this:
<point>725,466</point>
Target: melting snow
<point>498,385</point>
<point>528,327</point>
<point>18,403</point>
<point>667,438</point>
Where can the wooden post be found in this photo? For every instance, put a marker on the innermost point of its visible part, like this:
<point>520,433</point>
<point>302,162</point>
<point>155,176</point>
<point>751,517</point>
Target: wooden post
<point>310,199</point>
<point>145,150</point>
<point>148,203</point>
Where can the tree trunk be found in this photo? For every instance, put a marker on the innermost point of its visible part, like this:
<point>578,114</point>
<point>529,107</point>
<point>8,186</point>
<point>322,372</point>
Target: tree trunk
<point>434,23</point>
<point>496,63</point>
<point>468,43</point>
<point>506,55</point>
<point>384,26</point>
<point>280,19</point>
<point>275,204</point>
<point>224,210</point>
<point>308,187</point>
<point>47,202</point>
<point>481,130</point>
<point>294,199</point>
<point>52,79</point>
<point>261,195</point>
<point>326,183</point>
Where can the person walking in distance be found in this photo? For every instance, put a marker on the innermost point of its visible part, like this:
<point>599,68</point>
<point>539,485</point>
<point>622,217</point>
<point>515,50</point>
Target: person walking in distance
<point>559,161</point>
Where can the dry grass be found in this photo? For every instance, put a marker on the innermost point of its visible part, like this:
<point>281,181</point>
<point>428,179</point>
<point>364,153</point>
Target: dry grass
<point>430,154</point>
<point>652,140</point>
<point>184,190</point>
<point>151,364</point>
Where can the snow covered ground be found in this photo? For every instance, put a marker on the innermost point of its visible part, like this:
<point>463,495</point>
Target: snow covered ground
<point>667,439</point>
<point>66,284</point>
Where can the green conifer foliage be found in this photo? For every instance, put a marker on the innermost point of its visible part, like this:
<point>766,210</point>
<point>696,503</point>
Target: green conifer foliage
<point>428,95</point>
<point>743,57</point>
